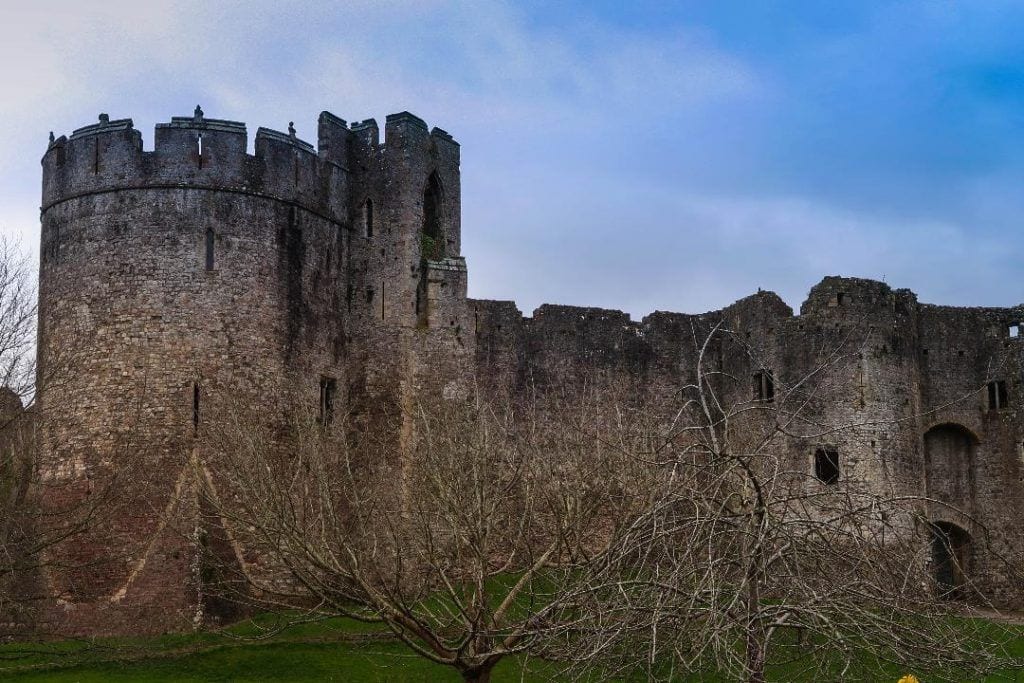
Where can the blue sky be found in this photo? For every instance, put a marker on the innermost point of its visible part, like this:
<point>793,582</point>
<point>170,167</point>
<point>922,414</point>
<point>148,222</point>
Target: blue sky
<point>640,155</point>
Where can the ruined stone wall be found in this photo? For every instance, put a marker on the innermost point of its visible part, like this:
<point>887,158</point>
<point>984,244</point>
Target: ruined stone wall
<point>863,370</point>
<point>973,450</point>
<point>197,275</point>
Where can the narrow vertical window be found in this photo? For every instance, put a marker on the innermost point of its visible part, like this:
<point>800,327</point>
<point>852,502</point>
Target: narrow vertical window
<point>368,218</point>
<point>862,386</point>
<point>328,387</point>
<point>826,466</point>
<point>209,248</point>
<point>199,149</point>
<point>96,155</point>
<point>195,407</point>
<point>764,386</point>
<point>997,396</point>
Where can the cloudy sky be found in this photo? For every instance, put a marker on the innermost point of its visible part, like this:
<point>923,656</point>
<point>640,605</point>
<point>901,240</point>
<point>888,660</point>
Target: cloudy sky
<point>618,154</point>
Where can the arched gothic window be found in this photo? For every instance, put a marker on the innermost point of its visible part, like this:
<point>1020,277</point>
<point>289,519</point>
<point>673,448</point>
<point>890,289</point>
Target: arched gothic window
<point>432,237</point>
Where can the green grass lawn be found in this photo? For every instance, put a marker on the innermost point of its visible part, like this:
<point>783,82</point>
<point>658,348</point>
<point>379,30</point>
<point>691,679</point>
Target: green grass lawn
<point>335,650</point>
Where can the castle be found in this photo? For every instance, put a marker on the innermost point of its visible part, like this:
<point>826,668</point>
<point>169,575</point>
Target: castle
<point>334,272</point>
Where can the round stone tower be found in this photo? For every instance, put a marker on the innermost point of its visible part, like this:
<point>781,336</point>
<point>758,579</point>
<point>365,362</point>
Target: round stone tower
<point>175,280</point>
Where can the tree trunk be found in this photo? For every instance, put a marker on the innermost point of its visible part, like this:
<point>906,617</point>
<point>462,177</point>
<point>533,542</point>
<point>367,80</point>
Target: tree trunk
<point>756,645</point>
<point>755,654</point>
<point>479,674</point>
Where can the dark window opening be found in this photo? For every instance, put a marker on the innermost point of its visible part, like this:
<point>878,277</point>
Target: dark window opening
<point>862,386</point>
<point>328,387</point>
<point>764,386</point>
<point>432,237</point>
<point>420,308</point>
<point>209,248</point>
<point>96,156</point>
<point>826,465</point>
<point>840,299</point>
<point>195,407</point>
<point>368,218</point>
<point>997,398</point>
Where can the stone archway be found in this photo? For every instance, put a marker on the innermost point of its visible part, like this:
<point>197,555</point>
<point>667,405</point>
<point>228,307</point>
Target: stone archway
<point>950,451</point>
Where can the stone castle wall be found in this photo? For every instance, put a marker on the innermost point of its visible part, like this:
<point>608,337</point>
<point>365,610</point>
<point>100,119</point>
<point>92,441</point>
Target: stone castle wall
<point>907,382</point>
<point>177,282</point>
<point>180,282</point>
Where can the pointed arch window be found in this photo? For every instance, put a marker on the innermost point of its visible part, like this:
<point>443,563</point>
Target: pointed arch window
<point>432,237</point>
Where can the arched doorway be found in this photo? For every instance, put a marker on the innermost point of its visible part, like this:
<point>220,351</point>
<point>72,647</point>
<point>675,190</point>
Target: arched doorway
<point>951,554</point>
<point>949,454</point>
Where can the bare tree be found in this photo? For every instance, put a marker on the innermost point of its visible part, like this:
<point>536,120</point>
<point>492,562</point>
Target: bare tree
<point>465,541</point>
<point>31,533</point>
<point>743,553</point>
<point>621,530</point>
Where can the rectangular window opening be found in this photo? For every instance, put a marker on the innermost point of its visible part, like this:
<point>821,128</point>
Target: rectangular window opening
<point>1015,331</point>
<point>199,149</point>
<point>826,466</point>
<point>764,386</point>
<point>368,218</point>
<point>997,396</point>
<point>209,248</point>
<point>328,388</point>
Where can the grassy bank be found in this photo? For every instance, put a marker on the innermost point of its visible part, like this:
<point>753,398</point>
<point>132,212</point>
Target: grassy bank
<point>335,650</point>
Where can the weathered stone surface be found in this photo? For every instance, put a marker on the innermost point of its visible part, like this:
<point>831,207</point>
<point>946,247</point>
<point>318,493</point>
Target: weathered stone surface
<point>197,269</point>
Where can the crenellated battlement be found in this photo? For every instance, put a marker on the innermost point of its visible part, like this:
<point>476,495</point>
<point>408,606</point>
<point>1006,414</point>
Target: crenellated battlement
<point>205,153</point>
<point>321,274</point>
